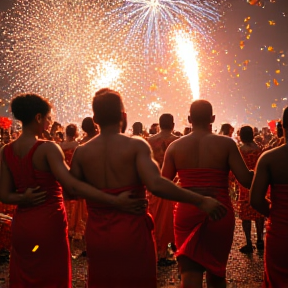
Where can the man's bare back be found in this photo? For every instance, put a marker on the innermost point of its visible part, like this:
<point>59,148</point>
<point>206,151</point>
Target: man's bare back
<point>109,161</point>
<point>159,144</point>
<point>203,149</point>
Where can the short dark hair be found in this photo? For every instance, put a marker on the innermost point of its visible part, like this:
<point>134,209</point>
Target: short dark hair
<point>225,128</point>
<point>26,106</point>
<point>88,125</point>
<point>137,128</point>
<point>246,134</point>
<point>107,107</point>
<point>285,118</point>
<point>166,121</point>
<point>71,130</point>
<point>201,112</point>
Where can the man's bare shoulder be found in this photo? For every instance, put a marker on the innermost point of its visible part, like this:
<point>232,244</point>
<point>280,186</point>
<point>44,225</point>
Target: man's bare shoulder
<point>275,154</point>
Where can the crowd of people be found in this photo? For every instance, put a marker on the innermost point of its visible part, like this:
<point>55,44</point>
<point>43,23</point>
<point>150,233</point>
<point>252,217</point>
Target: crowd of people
<point>126,194</point>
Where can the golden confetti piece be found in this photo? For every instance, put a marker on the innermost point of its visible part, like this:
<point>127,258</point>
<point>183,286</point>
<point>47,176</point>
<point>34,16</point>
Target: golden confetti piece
<point>268,84</point>
<point>248,37</point>
<point>272,22</point>
<point>248,27</point>
<point>214,51</point>
<point>250,31</point>
<point>35,248</point>
<point>270,49</point>
<point>277,71</point>
<point>242,44</point>
<point>247,19</point>
<point>275,82</point>
<point>273,105</point>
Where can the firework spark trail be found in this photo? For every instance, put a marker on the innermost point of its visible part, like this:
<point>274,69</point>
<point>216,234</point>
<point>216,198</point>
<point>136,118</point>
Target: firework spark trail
<point>188,55</point>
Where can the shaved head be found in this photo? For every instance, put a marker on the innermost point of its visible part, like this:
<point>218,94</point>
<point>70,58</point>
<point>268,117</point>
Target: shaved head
<point>201,112</point>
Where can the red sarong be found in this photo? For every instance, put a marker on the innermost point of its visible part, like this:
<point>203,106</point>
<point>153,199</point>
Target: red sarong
<point>120,247</point>
<point>276,247</point>
<point>203,240</point>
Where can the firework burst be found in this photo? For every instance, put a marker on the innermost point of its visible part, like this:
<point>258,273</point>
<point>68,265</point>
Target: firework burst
<point>65,50</point>
<point>148,22</point>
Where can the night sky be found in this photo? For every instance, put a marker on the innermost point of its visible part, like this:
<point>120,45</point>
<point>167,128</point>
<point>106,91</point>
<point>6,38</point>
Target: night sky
<point>252,63</point>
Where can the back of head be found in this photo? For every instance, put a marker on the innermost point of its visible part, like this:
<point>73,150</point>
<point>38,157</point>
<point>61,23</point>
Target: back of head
<point>137,128</point>
<point>246,134</point>
<point>88,125</point>
<point>26,106</point>
<point>225,129</point>
<point>107,107</point>
<point>166,122</point>
<point>201,112</point>
<point>285,119</point>
<point>71,130</point>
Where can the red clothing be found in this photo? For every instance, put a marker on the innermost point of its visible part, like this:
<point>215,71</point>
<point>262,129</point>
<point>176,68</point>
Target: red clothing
<point>76,210</point>
<point>203,240</point>
<point>5,228</point>
<point>162,213</point>
<point>44,226</point>
<point>120,247</point>
<point>276,250</point>
<point>246,212</point>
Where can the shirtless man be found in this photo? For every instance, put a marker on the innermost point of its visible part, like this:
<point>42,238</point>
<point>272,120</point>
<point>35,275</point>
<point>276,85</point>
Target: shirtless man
<point>203,159</point>
<point>162,209</point>
<point>120,246</point>
<point>272,169</point>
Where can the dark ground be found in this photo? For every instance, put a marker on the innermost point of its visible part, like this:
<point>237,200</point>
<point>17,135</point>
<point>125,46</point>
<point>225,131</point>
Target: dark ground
<point>243,271</point>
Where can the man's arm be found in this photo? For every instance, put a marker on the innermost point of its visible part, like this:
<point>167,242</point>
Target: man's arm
<point>161,187</point>
<point>260,186</point>
<point>238,166</point>
<point>168,169</point>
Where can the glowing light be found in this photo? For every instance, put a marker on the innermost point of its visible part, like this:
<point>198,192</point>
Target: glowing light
<point>188,56</point>
<point>35,248</point>
<point>151,20</point>
<point>105,74</point>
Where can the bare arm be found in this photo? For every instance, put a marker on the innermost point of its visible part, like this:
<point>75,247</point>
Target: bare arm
<point>238,166</point>
<point>260,186</point>
<point>161,187</point>
<point>168,169</point>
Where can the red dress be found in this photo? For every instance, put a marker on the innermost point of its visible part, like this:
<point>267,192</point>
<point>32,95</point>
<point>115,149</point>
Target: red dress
<point>76,209</point>
<point>203,240</point>
<point>276,249</point>
<point>40,254</point>
<point>246,212</point>
<point>120,247</point>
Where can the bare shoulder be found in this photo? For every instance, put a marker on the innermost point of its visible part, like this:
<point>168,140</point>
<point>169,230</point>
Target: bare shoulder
<point>274,155</point>
<point>50,147</point>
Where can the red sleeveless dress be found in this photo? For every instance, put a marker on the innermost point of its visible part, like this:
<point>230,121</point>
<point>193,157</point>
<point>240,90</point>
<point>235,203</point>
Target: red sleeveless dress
<point>120,247</point>
<point>276,247</point>
<point>40,254</point>
<point>203,240</point>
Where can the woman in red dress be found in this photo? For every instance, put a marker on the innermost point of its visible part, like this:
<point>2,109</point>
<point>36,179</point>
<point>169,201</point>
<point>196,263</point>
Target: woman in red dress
<point>40,255</point>
<point>250,152</point>
<point>272,169</point>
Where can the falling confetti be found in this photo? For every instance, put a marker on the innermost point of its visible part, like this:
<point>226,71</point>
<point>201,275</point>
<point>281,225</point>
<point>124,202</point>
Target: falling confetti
<point>35,248</point>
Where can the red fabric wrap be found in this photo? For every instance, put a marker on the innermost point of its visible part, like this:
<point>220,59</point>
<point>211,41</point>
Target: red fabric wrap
<point>203,240</point>
<point>120,246</point>
<point>44,225</point>
<point>276,250</point>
